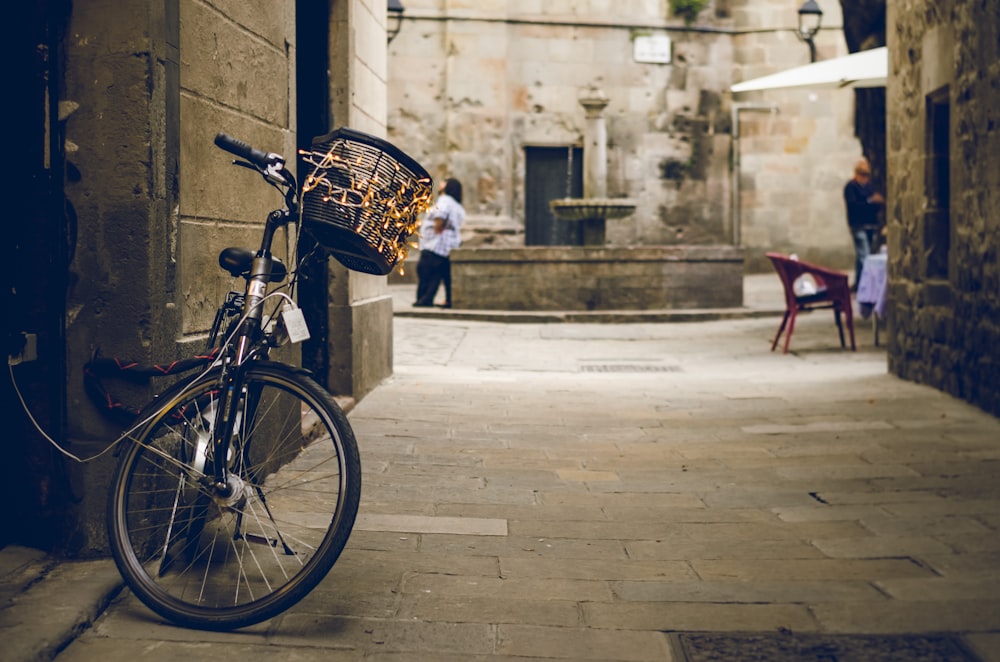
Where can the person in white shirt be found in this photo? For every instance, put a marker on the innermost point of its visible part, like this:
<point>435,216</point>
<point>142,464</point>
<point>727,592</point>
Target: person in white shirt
<point>440,233</point>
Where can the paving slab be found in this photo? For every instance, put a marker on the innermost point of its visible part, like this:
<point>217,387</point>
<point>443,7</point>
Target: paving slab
<point>557,490</point>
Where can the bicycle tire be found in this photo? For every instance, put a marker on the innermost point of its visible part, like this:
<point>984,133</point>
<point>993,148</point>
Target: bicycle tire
<point>213,564</point>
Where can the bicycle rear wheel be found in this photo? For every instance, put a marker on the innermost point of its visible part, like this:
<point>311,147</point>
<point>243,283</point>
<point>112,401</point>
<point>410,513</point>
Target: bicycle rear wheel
<point>219,563</point>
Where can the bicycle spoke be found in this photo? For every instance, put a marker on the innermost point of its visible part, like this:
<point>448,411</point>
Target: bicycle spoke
<point>212,559</point>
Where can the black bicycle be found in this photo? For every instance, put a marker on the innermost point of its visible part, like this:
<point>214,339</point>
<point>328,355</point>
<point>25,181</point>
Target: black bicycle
<point>241,485</point>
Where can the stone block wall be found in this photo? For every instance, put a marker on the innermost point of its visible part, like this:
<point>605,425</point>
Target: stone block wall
<point>237,76</point>
<point>221,205</point>
<point>584,278</point>
<point>156,200</point>
<point>794,160</point>
<point>359,317</point>
<point>473,83</point>
<point>945,327</point>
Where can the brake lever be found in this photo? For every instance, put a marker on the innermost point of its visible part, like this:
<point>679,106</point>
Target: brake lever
<point>275,173</point>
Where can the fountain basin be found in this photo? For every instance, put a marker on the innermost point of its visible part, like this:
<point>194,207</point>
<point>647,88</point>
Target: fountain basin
<point>578,278</point>
<point>578,209</point>
<point>593,214</point>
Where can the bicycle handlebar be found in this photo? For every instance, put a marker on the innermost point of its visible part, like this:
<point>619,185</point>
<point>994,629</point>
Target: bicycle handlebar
<point>234,146</point>
<point>271,165</point>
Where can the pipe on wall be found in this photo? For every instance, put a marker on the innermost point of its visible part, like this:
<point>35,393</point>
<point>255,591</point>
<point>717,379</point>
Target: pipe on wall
<point>734,211</point>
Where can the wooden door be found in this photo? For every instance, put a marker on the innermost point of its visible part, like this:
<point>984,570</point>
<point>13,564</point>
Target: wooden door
<point>548,174</point>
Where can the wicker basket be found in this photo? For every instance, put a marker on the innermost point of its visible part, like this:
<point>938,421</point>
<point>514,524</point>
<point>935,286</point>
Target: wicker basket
<point>362,199</point>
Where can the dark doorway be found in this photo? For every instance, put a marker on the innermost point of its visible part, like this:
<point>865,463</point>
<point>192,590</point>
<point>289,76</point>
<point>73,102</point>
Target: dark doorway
<point>312,34</point>
<point>36,489</point>
<point>937,221</point>
<point>551,173</point>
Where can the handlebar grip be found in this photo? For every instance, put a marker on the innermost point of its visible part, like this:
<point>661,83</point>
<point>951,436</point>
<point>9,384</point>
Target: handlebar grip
<point>243,150</point>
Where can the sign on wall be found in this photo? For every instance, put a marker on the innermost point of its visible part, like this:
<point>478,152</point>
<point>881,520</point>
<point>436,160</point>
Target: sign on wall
<point>654,49</point>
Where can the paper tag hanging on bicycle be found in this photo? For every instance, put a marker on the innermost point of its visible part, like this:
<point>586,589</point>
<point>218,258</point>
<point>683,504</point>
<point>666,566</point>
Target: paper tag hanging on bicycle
<point>295,324</point>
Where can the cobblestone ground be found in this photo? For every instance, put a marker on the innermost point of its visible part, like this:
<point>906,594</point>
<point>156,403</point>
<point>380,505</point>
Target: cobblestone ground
<point>643,492</point>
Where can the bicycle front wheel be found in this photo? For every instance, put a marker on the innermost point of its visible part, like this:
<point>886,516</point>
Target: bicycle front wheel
<point>219,562</point>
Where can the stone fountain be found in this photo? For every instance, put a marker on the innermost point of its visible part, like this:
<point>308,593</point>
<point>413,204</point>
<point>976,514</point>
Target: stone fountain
<point>595,207</point>
<point>595,276</point>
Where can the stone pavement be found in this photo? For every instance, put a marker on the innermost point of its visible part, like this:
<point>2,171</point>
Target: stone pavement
<point>641,491</point>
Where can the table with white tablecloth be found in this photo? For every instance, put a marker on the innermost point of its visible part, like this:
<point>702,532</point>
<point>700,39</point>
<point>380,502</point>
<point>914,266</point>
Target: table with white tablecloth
<point>871,294</point>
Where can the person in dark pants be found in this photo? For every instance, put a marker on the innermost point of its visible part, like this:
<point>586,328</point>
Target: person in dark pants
<point>862,213</point>
<point>440,233</point>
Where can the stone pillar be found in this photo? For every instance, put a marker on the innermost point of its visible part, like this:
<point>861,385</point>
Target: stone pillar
<point>126,298</point>
<point>595,143</point>
<point>359,306</point>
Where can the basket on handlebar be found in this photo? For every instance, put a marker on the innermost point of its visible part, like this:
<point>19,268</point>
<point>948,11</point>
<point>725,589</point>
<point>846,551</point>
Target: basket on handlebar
<point>362,199</point>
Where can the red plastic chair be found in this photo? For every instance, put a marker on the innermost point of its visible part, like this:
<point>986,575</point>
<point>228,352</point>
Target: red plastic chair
<point>825,289</point>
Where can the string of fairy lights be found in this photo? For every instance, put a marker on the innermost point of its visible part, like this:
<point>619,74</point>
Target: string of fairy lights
<point>349,174</point>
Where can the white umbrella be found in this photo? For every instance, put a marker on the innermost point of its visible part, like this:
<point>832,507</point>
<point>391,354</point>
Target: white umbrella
<point>862,69</point>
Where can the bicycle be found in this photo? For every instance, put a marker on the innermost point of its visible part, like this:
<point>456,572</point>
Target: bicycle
<point>240,487</point>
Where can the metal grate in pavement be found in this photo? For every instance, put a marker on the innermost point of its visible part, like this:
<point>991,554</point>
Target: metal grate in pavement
<point>629,367</point>
<point>805,647</point>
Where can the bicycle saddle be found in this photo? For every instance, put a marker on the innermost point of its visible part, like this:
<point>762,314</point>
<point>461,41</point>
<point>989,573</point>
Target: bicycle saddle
<point>238,261</point>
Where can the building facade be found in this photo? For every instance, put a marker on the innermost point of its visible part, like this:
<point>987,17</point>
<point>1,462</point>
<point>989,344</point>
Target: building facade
<point>123,101</point>
<point>944,196</point>
<point>489,92</point>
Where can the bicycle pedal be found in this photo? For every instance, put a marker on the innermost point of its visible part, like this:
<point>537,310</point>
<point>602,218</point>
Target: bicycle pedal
<point>260,540</point>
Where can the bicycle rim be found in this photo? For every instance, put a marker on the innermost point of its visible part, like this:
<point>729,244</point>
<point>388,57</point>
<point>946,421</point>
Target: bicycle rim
<point>216,563</point>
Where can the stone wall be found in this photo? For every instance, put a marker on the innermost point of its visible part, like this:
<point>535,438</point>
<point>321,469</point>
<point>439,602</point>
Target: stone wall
<point>584,278</point>
<point>220,205</point>
<point>945,324</point>
<point>157,201</point>
<point>795,160</point>
<point>360,308</point>
<point>122,68</point>
<point>474,83</point>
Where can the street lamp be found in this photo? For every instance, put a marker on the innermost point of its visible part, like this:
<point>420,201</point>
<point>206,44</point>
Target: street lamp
<point>394,19</point>
<point>810,17</point>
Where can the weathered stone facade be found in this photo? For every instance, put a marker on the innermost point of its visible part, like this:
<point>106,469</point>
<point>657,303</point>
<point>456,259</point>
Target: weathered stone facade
<point>124,294</point>
<point>157,201</point>
<point>590,278</point>
<point>475,83</point>
<point>360,308</point>
<point>794,160</point>
<point>943,145</point>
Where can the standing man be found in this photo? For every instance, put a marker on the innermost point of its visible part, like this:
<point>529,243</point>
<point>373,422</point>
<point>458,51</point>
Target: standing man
<point>440,233</point>
<point>863,203</point>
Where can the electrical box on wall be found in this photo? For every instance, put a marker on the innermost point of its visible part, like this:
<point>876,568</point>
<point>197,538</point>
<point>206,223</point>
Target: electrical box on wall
<point>28,350</point>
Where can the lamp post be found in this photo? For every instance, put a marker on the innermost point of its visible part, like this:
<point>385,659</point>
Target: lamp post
<point>810,17</point>
<point>394,19</point>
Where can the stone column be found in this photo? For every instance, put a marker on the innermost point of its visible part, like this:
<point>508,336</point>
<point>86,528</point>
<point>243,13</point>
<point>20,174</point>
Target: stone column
<point>595,143</point>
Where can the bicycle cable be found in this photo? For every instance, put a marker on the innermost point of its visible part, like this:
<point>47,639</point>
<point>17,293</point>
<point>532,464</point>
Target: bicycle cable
<point>138,424</point>
<point>135,426</point>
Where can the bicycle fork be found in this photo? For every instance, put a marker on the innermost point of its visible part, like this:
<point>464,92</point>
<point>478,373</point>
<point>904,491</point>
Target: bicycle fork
<point>238,403</point>
<point>234,368</point>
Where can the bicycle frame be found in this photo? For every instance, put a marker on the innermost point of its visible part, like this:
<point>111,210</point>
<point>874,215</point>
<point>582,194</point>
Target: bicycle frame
<point>205,510</point>
<point>249,342</point>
